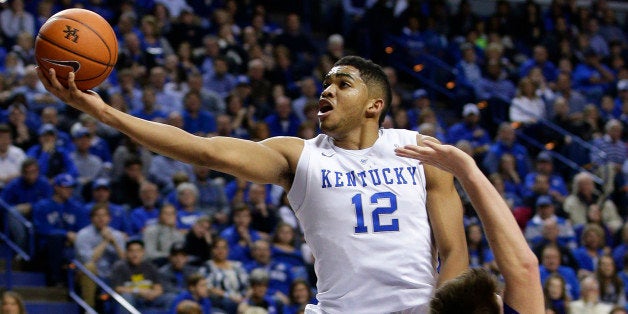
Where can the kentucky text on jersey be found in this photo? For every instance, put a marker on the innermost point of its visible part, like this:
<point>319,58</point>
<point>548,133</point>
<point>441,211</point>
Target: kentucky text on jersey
<point>398,175</point>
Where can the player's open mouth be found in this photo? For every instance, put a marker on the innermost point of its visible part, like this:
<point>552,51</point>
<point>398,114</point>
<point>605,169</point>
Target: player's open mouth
<point>324,107</point>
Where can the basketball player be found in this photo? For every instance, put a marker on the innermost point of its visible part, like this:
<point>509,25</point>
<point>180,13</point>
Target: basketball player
<point>475,291</point>
<point>364,210</point>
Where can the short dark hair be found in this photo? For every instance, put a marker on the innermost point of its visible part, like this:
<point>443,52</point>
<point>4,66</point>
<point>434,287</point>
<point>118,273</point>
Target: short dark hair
<point>375,78</point>
<point>134,241</point>
<point>29,161</point>
<point>472,292</point>
<point>193,279</point>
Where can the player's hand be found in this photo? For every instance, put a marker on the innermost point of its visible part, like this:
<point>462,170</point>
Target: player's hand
<point>86,101</point>
<point>445,157</point>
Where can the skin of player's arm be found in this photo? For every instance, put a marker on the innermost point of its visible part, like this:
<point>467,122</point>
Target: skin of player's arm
<point>514,257</point>
<point>269,161</point>
<point>445,212</point>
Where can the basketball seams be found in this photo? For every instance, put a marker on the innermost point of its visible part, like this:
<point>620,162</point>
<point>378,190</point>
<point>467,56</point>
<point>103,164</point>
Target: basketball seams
<point>107,66</point>
<point>109,49</point>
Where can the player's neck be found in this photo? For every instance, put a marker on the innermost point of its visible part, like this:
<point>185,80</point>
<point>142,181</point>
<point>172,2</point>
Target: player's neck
<point>360,138</point>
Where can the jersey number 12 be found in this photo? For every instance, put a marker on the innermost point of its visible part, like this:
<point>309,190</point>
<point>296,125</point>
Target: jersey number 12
<point>356,200</point>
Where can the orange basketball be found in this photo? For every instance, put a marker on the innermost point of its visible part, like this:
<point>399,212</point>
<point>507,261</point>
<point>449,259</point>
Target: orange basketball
<point>77,40</point>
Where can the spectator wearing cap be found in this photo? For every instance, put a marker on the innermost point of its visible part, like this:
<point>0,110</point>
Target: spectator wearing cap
<point>52,158</point>
<point>11,157</point>
<point>195,290</point>
<point>138,280</point>
<point>57,220</point>
<point>160,237</point>
<point>544,165</point>
<point>469,129</point>
<point>177,269</point>
<point>98,247</point>
<point>88,165</point>
<point>546,213</point>
<point>101,193</point>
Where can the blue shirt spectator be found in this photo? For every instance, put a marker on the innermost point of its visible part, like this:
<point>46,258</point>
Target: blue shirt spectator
<point>240,235</point>
<point>539,59</point>
<point>195,119</point>
<point>52,159</point>
<point>506,143</point>
<point>283,122</point>
<point>469,129</point>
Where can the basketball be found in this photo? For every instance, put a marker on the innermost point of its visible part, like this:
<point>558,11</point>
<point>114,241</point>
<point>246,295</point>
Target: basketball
<point>77,40</point>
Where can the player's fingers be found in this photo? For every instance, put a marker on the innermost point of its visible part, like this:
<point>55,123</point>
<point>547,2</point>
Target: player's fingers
<point>42,77</point>
<point>71,83</point>
<point>54,82</point>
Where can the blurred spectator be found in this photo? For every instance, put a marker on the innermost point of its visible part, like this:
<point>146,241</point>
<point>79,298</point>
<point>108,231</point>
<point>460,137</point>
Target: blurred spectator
<point>52,159</point>
<point>197,120</point>
<point>226,278</point>
<point>164,168</point>
<point>300,296</point>
<point>469,129</point>
<point>101,193</point>
<point>551,263</point>
<point>138,280</point>
<point>196,290</point>
<point>505,142</point>
<point>280,274</point>
<point>480,254</point>
<point>495,85</point>
<point>611,285</point>
<point>540,58</point>
<point>125,189</point>
<point>24,191</point>
<point>258,296</point>
<point>149,110</point>
<point>592,77</point>
<point>11,157</point>
<point>296,40</point>
<point>187,205</point>
<point>36,95</point>
<point>420,102</point>
<point>550,233</point>
<point>210,99</point>
<point>50,115</point>
<point>176,270</point>
<point>11,303</point>
<point>555,292</point>
<point>589,302</point>
<point>583,197</point>
<point>544,164</point>
<point>24,136</point>
<point>129,148</point>
<point>198,241</point>
<point>212,199</point>
<point>147,213</point>
<point>527,107</point>
<point>263,214</point>
<point>591,248</point>
<point>98,247</point>
<point>57,220</point>
<point>16,20</point>
<point>88,165</point>
<point>546,212</point>
<point>240,235</point>
<point>285,248</point>
<point>160,237</point>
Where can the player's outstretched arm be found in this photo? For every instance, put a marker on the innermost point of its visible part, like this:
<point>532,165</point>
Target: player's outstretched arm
<point>445,213</point>
<point>270,161</point>
<point>516,261</point>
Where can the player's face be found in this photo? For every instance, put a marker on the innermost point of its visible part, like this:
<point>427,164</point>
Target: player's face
<point>343,101</point>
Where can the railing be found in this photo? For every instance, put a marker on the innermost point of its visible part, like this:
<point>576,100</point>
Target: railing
<point>433,73</point>
<point>10,214</point>
<point>77,298</point>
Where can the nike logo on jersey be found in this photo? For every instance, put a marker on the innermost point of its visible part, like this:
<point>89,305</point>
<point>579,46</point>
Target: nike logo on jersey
<point>75,65</point>
<point>326,154</point>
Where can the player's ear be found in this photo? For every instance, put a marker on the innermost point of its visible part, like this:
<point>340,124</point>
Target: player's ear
<point>375,107</point>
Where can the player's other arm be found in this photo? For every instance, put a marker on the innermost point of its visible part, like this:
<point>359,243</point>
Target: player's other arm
<point>445,211</point>
<point>270,161</point>
<point>516,261</point>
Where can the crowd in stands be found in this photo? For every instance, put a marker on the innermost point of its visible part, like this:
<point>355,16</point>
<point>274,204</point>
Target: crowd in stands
<point>162,232</point>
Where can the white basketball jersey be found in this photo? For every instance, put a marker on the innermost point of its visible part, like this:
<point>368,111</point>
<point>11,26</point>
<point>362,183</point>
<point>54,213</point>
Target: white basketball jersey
<point>364,216</point>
